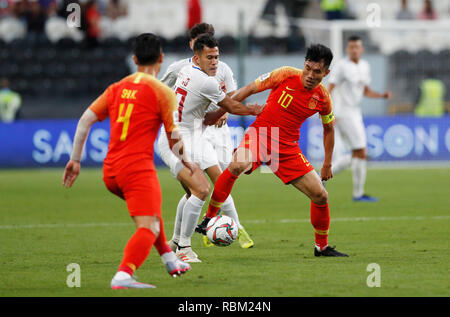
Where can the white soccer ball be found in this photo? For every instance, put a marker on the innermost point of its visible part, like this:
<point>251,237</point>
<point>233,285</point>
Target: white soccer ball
<point>222,230</point>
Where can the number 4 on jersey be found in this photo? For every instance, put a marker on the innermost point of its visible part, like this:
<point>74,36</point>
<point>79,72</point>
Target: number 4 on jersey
<point>125,119</point>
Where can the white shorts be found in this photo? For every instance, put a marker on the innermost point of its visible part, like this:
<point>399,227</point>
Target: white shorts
<point>196,147</point>
<point>352,131</point>
<point>220,139</point>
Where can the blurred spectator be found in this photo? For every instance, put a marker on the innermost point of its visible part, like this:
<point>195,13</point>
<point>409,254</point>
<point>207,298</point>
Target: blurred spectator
<point>194,13</point>
<point>333,9</point>
<point>294,9</point>
<point>428,12</point>
<point>46,5</point>
<point>6,8</point>
<point>19,9</point>
<point>10,102</point>
<point>115,9</point>
<point>404,13</point>
<point>92,18</point>
<point>35,17</point>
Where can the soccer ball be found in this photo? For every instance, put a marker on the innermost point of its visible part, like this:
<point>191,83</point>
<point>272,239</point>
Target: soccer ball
<point>221,230</point>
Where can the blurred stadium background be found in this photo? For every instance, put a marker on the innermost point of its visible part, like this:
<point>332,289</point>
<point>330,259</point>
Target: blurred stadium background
<point>59,70</point>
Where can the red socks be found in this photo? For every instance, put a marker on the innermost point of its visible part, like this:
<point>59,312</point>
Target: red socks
<point>137,250</point>
<point>222,189</point>
<point>320,219</point>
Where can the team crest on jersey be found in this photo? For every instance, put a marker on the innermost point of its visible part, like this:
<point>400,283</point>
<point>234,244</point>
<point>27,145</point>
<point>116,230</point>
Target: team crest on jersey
<point>185,82</point>
<point>313,103</point>
<point>264,77</point>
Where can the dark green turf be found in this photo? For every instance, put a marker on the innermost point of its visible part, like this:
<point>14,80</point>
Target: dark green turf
<point>44,227</point>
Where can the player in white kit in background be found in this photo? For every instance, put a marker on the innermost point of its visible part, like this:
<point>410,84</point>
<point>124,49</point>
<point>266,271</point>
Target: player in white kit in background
<point>349,81</point>
<point>197,88</point>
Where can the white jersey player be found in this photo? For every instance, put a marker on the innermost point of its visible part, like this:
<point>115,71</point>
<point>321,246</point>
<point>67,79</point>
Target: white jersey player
<point>349,81</point>
<point>196,88</point>
<point>218,135</point>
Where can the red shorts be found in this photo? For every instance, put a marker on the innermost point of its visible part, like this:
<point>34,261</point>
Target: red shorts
<point>284,158</point>
<point>140,190</point>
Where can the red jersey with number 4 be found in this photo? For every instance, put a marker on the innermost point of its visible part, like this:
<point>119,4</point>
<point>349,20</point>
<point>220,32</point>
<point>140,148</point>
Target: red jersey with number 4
<point>290,103</point>
<point>137,106</point>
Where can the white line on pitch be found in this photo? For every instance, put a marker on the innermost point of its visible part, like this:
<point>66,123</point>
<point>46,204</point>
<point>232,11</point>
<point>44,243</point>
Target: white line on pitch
<point>123,224</point>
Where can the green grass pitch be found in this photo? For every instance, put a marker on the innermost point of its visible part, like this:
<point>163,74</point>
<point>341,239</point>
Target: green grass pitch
<point>44,228</point>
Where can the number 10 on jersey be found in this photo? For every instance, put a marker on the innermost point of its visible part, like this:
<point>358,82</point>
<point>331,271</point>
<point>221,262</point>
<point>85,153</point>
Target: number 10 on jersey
<point>285,99</point>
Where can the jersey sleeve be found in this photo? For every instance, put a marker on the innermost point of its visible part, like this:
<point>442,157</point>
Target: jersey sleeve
<point>274,78</point>
<point>167,104</point>
<point>170,76</point>
<point>326,114</point>
<point>100,105</point>
<point>212,91</point>
<point>230,82</point>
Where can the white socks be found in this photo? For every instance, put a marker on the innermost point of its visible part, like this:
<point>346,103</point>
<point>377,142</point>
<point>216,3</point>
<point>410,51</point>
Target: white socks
<point>178,219</point>
<point>191,212</point>
<point>341,163</point>
<point>359,171</point>
<point>229,209</point>
<point>120,275</point>
<point>168,257</point>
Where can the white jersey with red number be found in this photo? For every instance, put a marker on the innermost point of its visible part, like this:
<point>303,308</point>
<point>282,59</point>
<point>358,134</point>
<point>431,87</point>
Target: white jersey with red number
<point>224,75</point>
<point>195,91</point>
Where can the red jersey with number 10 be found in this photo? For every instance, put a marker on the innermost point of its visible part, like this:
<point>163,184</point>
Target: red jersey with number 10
<point>290,103</point>
<point>137,106</point>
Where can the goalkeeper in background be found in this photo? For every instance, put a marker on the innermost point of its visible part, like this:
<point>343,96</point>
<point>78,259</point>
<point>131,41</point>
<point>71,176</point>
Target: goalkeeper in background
<point>10,102</point>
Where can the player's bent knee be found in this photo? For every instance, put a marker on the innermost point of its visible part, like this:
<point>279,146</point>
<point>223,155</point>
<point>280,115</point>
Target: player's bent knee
<point>155,227</point>
<point>202,191</point>
<point>149,222</point>
<point>320,197</point>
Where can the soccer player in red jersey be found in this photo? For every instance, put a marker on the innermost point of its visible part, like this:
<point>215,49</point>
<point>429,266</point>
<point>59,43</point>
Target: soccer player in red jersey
<point>137,106</point>
<point>273,139</point>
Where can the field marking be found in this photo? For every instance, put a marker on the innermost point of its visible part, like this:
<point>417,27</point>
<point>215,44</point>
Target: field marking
<point>124,224</point>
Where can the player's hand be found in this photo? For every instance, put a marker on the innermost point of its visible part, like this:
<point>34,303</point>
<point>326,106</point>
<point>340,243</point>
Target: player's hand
<point>255,108</point>
<point>387,95</point>
<point>71,173</point>
<point>223,86</point>
<point>192,167</point>
<point>222,121</point>
<point>326,172</point>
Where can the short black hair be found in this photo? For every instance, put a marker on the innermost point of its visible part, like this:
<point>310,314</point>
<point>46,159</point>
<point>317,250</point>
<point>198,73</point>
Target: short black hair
<point>353,38</point>
<point>205,40</point>
<point>147,48</point>
<point>318,53</point>
<point>201,28</point>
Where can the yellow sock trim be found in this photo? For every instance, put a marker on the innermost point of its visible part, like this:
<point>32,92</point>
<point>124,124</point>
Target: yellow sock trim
<point>321,232</point>
<point>215,203</point>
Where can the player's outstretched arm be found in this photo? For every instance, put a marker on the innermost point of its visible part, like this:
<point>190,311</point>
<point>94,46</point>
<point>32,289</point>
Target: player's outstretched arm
<point>369,93</point>
<point>235,107</point>
<point>244,92</point>
<point>328,144</point>
<point>72,168</point>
